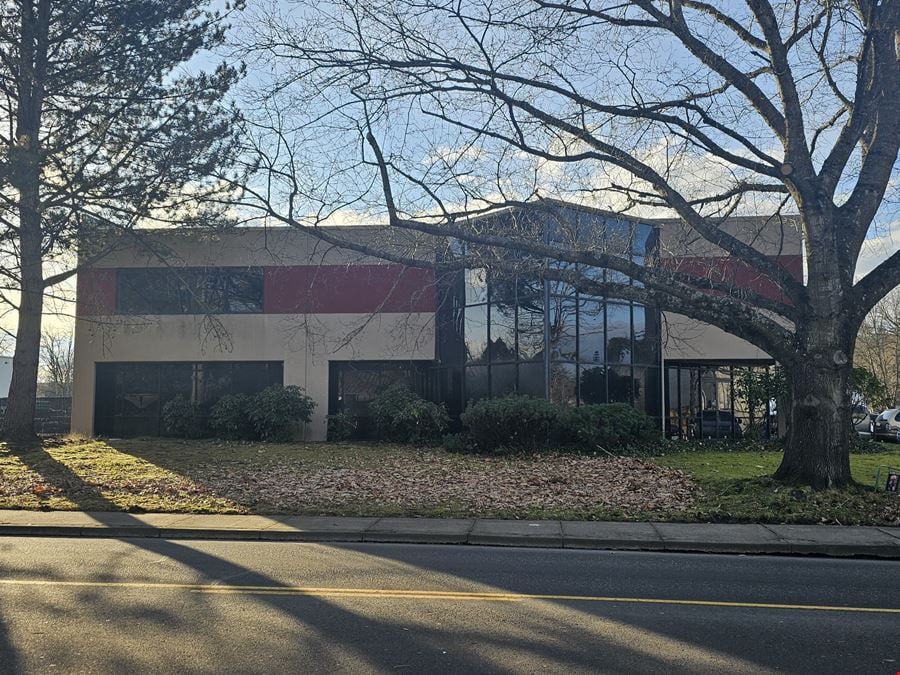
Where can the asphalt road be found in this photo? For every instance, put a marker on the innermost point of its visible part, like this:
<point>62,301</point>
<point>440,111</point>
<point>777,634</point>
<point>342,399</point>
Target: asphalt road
<point>144,605</point>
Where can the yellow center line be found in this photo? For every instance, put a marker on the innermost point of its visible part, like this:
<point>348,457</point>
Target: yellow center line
<point>396,593</point>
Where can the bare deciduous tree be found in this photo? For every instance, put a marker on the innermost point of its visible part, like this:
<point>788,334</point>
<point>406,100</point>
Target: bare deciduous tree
<point>58,361</point>
<point>878,345</point>
<point>437,112</point>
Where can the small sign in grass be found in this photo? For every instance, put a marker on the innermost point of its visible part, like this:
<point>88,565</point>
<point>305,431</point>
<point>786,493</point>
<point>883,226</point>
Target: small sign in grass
<point>888,479</point>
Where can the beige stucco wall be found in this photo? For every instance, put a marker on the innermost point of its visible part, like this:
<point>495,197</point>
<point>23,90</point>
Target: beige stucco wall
<point>306,343</point>
<point>245,246</point>
<point>773,236</point>
<point>686,338</point>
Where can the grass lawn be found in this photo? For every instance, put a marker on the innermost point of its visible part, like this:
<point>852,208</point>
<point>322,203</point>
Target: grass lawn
<point>737,487</point>
<point>165,475</point>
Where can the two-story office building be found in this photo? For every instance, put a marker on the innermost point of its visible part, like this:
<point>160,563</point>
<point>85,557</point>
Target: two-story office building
<point>204,313</point>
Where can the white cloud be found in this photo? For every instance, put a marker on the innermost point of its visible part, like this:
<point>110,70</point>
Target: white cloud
<point>694,174</point>
<point>882,243</point>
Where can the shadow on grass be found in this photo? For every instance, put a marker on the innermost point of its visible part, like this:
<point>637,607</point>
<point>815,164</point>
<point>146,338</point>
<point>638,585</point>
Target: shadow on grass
<point>558,635</point>
<point>342,627</point>
<point>567,637</point>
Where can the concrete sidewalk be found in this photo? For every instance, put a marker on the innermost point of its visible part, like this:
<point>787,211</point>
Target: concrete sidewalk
<point>881,542</point>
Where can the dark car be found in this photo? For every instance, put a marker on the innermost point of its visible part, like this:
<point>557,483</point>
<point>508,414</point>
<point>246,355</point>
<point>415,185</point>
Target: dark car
<point>716,424</point>
<point>887,426</point>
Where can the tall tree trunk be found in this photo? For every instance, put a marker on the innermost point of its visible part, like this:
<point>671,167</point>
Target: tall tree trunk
<point>25,174</point>
<point>817,447</point>
<point>18,423</point>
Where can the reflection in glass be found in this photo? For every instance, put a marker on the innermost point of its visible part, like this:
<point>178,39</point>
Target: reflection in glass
<point>503,333</point>
<point>621,386</point>
<point>647,390</point>
<point>646,335</point>
<point>531,320</point>
<point>618,333</point>
<point>531,379</point>
<point>618,237</point>
<point>357,389</point>
<point>676,416</point>
<point>189,290</point>
<point>588,342</point>
<point>503,289</point>
<point>703,402</point>
<point>133,394</point>
<point>593,384</point>
<point>503,379</point>
<point>618,244</point>
<point>245,290</point>
<point>640,260</point>
<point>643,235</point>
<point>562,320</point>
<point>175,379</point>
<point>476,334</point>
<point>592,336</point>
<point>476,286</point>
<point>476,383</point>
<point>137,389</point>
<point>563,383</point>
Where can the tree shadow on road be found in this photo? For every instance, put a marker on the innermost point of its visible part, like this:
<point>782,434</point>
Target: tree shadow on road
<point>9,660</point>
<point>565,637</point>
<point>374,641</point>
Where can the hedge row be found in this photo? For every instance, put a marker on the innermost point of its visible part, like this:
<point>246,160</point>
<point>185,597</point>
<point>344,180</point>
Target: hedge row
<point>508,424</point>
<point>521,423</point>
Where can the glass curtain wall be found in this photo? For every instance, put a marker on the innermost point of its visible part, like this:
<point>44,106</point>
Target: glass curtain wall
<point>545,339</point>
<point>708,401</point>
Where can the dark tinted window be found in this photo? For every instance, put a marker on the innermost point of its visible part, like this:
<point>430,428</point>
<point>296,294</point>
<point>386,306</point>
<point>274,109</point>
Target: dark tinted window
<point>476,332</point>
<point>712,415</point>
<point>173,290</point>
<point>245,290</point>
<point>130,396</point>
<point>353,385</point>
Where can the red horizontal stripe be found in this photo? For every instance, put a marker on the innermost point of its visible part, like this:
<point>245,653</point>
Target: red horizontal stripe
<point>95,292</point>
<point>730,270</point>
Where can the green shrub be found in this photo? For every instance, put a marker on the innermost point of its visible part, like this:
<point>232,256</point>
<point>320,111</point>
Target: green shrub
<point>457,443</point>
<point>277,411</point>
<point>387,406</point>
<point>511,423</point>
<point>342,427</point>
<point>229,418</point>
<point>183,419</point>
<point>866,446</point>
<point>609,426</point>
<point>401,415</point>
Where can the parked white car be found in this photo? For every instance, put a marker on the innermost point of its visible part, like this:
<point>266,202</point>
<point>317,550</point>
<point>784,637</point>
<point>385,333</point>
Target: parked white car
<point>887,426</point>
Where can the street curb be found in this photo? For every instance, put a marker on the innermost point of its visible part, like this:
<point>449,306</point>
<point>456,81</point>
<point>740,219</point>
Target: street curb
<point>822,540</point>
